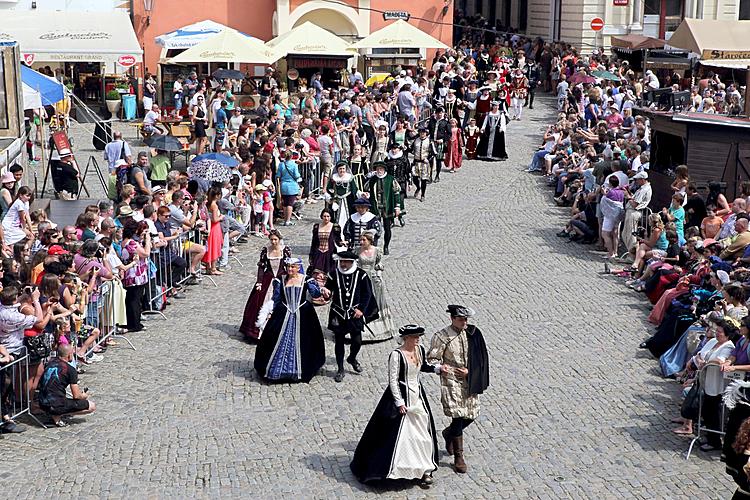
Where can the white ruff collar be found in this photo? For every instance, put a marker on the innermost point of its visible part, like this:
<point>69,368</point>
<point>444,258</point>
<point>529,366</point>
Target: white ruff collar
<point>348,271</point>
<point>337,178</point>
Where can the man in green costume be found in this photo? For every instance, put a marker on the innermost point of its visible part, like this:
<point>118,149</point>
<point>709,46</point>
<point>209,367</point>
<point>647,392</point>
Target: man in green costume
<point>384,193</point>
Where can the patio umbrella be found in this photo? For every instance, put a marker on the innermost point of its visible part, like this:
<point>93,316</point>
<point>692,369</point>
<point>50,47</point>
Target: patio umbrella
<point>606,75</point>
<point>399,34</point>
<point>232,74</point>
<point>227,46</point>
<point>164,143</point>
<point>225,160</point>
<point>209,170</point>
<point>581,77</point>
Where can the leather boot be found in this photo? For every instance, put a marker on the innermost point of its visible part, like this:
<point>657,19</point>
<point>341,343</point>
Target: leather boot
<point>448,441</point>
<point>458,455</point>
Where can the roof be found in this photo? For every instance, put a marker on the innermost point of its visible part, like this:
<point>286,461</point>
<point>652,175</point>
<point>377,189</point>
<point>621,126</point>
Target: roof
<point>704,36</point>
<point>726,63</point>
<point>72,36</point>
<point>637,42</point>
<point>711,119</point>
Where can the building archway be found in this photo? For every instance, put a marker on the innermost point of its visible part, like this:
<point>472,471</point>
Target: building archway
<point>331,20</point>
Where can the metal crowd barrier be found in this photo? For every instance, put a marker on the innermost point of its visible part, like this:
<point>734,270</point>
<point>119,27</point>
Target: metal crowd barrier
<point>311,177</point>
<point>727,378</point>
<point>101,315</point>
<point>14,388</point>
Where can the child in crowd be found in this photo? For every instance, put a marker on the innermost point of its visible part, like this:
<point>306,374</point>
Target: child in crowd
<point>711,225</point>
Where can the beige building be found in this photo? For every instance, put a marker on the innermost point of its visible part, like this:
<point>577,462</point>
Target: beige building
<point>570,20</point>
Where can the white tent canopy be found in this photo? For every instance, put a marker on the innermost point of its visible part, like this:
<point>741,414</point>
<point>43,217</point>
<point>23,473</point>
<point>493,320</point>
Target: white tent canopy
<point>399,34</point>
<point>72,36</point>
<point>191,35</point>
<point>228,46</point>
<point>309,39</point>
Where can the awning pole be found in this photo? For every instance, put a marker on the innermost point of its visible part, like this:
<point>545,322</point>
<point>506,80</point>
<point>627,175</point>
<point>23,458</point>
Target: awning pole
<point>747,91</point>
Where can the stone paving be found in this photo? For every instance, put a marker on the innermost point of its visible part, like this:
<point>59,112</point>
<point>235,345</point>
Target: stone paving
<point>574,410</point>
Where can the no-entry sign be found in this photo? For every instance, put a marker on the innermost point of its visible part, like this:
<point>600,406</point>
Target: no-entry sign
<point>597,24</point>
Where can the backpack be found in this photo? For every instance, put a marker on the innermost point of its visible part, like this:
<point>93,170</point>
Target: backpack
<point>124,176</point>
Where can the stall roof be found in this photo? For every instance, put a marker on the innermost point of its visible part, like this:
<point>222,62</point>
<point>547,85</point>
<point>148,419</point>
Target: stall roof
<point>228,46</point>
<point>636,42</point>
<point>726,63</point>
<point>191,35</point>
<point>711,119</point>
<point>399,34</point>
<point>713,39</point>
<point>72,36</point>
<point>309,39</point>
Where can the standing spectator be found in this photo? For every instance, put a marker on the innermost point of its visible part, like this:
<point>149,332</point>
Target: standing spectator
<point>325,142</point>
<point>178,94</point>
<point>635,203</point>
<point>118,149</point>
<point>149,92</point>
<point>220,124</point>
<point>136,247</point>
<point>289,179</point>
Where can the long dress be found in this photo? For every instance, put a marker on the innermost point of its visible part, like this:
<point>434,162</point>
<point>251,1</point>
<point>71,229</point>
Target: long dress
<point>342,191</point>
<point>291,348</point>
<point>214,243</point>
<point>455,149</point>
<point>396,446</point>
<point>472,141</point>
<point>268,269</point>
<point>381,328</point>
<point>492,141</point>
<point>322,248</point>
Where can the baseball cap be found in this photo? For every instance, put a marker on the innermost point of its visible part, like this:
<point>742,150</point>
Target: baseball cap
<point>57,250</point>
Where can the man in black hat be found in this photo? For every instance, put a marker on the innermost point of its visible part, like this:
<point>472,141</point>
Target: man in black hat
<point>353,304</point>
<point>397,164</point>
<point>461,347</point>
<point>384,194</point>
<point>359,222</point>
<point>422,151</point>
<point>440,134</point>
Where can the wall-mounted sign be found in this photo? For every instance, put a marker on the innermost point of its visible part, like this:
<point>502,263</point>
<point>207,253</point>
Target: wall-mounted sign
<point>126,61</point>
<point>392,15</point>
<point>28,59</point>
<point>725,54</point>
<point>621,3</point>
<point>597,24</point>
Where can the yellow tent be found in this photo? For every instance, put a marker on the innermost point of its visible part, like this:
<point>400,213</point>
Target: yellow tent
<point>228,46</point>
<point>399,34</point>
<point>309,39</point>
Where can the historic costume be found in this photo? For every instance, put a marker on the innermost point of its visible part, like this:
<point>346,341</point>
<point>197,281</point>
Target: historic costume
<point>323,246</point>
<point>379,148</point>
<point>440,134</point>
<point>422,151</point>
<point>359,170</point>
<point>358,223</point>
<point>470,101</point>
<point>471,135</point>
<point>484,103</point>
<point>396,446</point>
<point>492,141</point>
<point>451,103</point>
<point>381,328</point>
<point>455,152</point>
<point>397,164</point>
<point>268,269</point>
<point>291,348</point>
<point>341,191</point>
<point>385,199</point>
<point>460,349</point>
<point>519,89</point>
<point>352,306</point>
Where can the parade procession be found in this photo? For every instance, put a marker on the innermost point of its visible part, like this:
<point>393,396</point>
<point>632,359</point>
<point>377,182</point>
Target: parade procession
<point>357,248</point>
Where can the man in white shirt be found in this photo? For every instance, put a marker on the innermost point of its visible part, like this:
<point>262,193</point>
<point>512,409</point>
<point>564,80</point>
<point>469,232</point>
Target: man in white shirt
<point>118,149</point>
<point>151,120</point>
<point>562,92</point>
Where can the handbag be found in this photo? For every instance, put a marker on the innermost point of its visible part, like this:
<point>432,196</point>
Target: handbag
<point>37,346</point>
<point>691,403</point>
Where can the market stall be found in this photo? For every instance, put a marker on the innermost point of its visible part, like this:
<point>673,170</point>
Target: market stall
<point>397,44</point>
<point>90,51</point>
<point>308,49</point>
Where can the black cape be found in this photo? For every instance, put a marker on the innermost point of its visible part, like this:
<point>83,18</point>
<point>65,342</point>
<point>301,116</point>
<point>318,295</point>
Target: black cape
<point>479,363</point>
<point>374,453</point>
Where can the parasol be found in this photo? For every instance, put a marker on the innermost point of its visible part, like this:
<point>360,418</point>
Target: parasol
<point>581,77</point>
<point>606,75</point>
<point>225,160</point>
<point>164,143</point>
<point>209,170</point>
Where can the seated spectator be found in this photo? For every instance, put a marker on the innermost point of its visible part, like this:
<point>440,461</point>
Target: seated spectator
<point>739,243</point>
<point>59,374</point>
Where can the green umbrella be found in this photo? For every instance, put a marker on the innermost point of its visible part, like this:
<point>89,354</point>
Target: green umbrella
<point>606,75</point>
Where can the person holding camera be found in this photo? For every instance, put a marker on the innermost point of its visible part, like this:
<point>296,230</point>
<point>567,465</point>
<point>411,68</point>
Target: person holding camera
<point>634,204</point>
<point>136,247</point>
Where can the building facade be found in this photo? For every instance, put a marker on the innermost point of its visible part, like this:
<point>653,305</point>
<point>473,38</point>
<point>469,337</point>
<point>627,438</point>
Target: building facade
<point>570,20</point>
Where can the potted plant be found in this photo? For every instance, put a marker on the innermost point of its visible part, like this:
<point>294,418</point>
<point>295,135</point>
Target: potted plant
<point>113,101</point>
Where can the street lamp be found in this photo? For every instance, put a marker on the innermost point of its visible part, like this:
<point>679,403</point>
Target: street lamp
<point>148,6</point>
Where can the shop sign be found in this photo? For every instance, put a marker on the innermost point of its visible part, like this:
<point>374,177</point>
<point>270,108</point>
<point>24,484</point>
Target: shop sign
<point>28,59</point>
<point>725,54</point>
<point>392,15</point>
<point>319,62</point>
<point>75,35</point>
<point>620,3</point>
<point>126,61</point>
<point>292,74</point>
<point>309,48</point>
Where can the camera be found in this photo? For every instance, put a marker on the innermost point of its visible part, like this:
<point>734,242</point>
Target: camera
<point>639,233</point>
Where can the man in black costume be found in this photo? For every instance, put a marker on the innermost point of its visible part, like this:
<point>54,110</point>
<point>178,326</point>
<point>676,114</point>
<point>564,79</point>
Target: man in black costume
<point>360,221</point>
<point>461,347</point>
<point>440,135</point>
<point>353,304</point>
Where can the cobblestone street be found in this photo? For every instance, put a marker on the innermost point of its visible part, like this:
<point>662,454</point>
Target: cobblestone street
<point>574,409</point>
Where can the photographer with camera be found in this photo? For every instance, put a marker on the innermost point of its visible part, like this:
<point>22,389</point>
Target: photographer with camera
<point>183,214</point>
<point>634,204</point>
<point>136,247</point>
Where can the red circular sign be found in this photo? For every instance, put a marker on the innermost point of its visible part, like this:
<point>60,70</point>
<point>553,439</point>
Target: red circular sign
<point>126,61</point>
<point>597,24</point>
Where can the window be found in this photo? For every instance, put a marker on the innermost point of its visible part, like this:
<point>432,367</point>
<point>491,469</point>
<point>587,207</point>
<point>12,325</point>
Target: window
<point>744,10</point>
<point>3,94</point>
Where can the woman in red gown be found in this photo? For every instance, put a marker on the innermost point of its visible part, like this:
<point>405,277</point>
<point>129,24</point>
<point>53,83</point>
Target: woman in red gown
<point>215,235</point>
<point>471,134</point>
<point>455,148</point>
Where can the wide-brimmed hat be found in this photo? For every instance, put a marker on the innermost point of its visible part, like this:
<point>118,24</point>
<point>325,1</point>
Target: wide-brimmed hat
<point>346,255</point>
<point>640,175</point>
<point>126,211</point>
<point>260,187</point>
<point>362,202</point>
<point>460,311</point>
<point>411,330</point>
<point>7,178</point>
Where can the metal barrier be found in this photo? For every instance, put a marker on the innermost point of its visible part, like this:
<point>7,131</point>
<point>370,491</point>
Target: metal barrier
<point>311,177</point>
<point>711,370</point>
<point>14,388</point>
<point>101,315</point>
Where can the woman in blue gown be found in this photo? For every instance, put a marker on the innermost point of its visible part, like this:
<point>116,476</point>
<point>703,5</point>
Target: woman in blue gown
<point>291,348</point>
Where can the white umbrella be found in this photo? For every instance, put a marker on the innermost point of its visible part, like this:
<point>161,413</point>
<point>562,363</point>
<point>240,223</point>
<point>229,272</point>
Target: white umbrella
<point>228,46</point>
<point>309,39</point>
<point>399,34</point>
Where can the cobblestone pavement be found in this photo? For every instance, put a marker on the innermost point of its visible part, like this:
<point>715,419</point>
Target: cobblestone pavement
<point>573,410</point>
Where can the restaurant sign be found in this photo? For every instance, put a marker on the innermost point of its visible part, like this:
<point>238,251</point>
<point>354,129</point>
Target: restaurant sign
<point>317,62</point>
<point>392,15</point>
<point>725,54</point>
